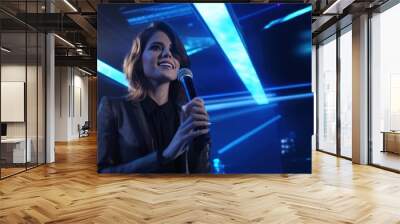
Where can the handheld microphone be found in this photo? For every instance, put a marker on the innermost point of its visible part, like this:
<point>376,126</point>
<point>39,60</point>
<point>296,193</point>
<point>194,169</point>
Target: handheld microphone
<point>185,76</point>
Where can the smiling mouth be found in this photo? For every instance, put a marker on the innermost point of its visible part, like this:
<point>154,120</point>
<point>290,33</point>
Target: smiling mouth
<point>166,65</point>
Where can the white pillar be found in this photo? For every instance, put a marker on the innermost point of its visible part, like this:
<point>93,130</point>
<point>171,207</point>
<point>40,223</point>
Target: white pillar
<point>360,90</point>
<point>50,93</point>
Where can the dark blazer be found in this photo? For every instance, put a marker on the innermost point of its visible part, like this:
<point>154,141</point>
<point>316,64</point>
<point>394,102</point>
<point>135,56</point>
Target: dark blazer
<point>125,143</point>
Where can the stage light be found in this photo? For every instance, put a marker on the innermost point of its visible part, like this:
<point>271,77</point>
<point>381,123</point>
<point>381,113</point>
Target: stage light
<point>111,73</point>
<point>218,20</point>
<point>288,17</point>
<point>248,134</point>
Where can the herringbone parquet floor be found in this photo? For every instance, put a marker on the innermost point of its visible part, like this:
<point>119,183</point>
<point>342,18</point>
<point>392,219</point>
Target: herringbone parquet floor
<point>70,191</point>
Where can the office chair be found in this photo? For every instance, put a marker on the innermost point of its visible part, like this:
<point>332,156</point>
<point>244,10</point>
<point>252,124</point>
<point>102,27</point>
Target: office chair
<point>84,130</point>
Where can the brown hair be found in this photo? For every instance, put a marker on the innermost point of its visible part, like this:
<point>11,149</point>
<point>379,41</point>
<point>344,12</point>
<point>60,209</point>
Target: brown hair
<point>133,66</point>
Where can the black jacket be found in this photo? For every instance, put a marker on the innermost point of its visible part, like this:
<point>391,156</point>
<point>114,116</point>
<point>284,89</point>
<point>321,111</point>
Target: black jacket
<point>125,143</point>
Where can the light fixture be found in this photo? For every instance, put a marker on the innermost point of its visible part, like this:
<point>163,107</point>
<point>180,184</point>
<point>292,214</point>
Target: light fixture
<point>84,71</point>
<point>5,50</point>
<point>337,7</point>
<point>70,5</point>
<point>65,41</point>
<point>221,25</point>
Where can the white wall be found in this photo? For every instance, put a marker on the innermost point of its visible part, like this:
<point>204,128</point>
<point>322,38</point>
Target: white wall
<point>33,127</point>
<point>16,73</point>
<point>61,103</point>
<point>71,94</point>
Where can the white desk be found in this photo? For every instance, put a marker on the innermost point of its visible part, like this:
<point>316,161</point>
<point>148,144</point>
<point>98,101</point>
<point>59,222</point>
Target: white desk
<point>18,149</point>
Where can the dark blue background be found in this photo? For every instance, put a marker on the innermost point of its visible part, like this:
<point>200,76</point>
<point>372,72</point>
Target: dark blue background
<point>281,56</point>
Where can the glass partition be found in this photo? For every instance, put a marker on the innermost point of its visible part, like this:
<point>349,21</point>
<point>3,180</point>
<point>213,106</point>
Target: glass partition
<point>41,86</point>
<point>31,97</point>
<point>346,93</point>
<point>385,88</point>
<point>22,77</point>
<point>14,145</point>
<point>327,95</point>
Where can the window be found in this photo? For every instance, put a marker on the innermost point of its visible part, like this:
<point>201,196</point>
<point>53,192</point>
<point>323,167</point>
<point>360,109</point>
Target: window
<point>327,95</point>
<point>385,88</point>
<point>346,92</point>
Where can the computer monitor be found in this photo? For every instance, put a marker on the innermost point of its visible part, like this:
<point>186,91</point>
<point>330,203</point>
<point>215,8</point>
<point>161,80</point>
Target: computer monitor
<point>3,129</point>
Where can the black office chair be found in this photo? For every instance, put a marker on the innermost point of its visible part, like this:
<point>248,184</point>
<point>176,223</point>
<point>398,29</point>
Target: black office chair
<point>84,130</point>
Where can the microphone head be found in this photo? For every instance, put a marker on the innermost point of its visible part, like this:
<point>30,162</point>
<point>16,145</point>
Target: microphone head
<point>183,72</point>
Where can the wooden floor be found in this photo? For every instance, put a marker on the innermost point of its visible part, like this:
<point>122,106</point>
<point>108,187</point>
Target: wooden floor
<point>70,191</point>
<point>5,172</point>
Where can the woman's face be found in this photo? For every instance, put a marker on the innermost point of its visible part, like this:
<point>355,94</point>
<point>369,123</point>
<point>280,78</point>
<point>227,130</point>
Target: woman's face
<point>159,64</point>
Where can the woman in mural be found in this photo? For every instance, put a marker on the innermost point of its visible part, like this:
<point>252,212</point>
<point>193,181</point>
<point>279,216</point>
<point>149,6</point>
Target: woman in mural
<point>153,128</point>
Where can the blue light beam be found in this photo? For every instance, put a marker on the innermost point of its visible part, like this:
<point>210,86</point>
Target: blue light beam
<point>248,134</point>
<point>228,115</point>
<point>111,73</point>
<point>292,97</point>
<point>197,44</point>
<point>269,89</point>
<point>249,102</point>
<point>247,97</point>
<point>220,23</point>
<point>157,13</point>
<point>288,17</point>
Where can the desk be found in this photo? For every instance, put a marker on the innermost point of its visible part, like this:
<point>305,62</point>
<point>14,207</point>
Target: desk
<point>15,148</point>
<point>391,141</point>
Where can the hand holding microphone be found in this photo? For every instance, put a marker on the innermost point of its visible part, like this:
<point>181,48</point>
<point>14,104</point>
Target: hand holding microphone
<point>194,120</point>
<point>185,76</point>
